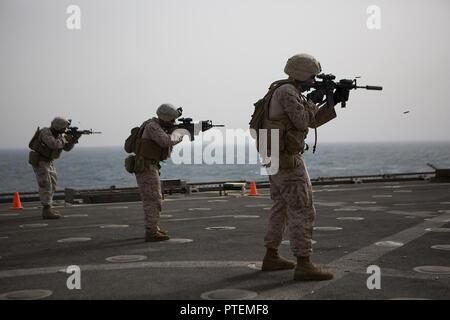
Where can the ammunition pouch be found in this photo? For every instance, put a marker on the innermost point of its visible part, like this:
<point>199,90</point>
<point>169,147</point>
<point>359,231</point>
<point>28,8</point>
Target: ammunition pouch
<point>150,150</point>
<point>141,164</point>
<point>34,158</point>
<point>130,163</point>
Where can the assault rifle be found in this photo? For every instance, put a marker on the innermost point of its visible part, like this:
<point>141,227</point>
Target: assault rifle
<point>192,128</point>
<point>328,85</point>
<point>74,131</point>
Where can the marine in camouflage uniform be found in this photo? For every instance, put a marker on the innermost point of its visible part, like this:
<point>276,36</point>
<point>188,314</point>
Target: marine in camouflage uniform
<point>46,146</point>
<point>290,188</point>
<point>153,146</point>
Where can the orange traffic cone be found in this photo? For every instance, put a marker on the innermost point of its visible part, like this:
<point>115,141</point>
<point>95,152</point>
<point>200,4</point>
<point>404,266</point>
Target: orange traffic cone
<point>253,191</point>
<point>17,204</point>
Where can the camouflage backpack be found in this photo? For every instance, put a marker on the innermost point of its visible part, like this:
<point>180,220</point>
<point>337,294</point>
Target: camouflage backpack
<point>261,111</point>
<point>130,147</point>
<point>130,142</point>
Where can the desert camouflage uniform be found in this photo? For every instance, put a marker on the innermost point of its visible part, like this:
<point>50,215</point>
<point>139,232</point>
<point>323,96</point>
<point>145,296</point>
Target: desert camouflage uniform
<point>45,171</point>
<point>291,189</point>
<point>148,180</point>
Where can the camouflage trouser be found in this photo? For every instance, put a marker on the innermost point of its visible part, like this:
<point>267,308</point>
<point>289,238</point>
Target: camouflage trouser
<point>291,191</point>
<point>150,189</point>
<point>46,179</point>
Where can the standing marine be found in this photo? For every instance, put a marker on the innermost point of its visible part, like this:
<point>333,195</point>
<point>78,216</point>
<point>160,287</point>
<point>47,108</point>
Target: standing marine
<point>292,114</point>
<point>46,146</point>
<point>153,145</point>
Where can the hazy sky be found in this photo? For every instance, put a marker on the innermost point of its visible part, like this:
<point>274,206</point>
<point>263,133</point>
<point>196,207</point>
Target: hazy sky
<point>215,59</point>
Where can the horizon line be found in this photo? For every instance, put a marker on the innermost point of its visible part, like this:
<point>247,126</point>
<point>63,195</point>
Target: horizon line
<point>240,144</point>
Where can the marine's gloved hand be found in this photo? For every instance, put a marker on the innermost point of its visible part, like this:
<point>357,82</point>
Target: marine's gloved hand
<point>316,96</point>
<point>77,136</point>
<point>340,95</point>
<point>73,137</point>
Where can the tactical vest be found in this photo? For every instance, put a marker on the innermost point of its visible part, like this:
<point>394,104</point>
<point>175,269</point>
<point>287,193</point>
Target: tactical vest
<point>291,141</point>
<point>44,152</point>
<point>148,149</point>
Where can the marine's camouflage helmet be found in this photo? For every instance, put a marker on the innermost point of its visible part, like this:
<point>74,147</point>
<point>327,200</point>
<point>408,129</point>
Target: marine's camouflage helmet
<point>167,112</point>
<point>302,66</point>
<point>60,124</point>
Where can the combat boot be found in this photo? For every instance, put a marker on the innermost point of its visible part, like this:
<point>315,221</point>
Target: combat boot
<point>155,236</point>
<point>306,271</point>
<point>273,262</point>
<point>49,213</point>
<point>162,231</point>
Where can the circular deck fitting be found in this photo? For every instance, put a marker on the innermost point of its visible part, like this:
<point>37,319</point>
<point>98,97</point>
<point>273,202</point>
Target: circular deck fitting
<point>33,294</point>
<point>218,200</point>
<point>9,214</point>
<point>126,258</point>
<point>345,209</point>
<point>255,266</point>
<point>329,204</point>
<point>70,240</point>
<point>246,216</point>
<point>382,196</point>
<point>408,298</point>
<point>165,216</point>
<point>114,226</point>
<point>350,218</point>
<point>375,209</point>
<point>199,209</point>
<point>220,228</point>
<point>437,220</point>
<point>327,228</point>
<point>177,240</point>
<point>229,294</point>
<point>433,269</point>
<point>34,225</point>
<point>256,205</point>
<point>287,242</point>
<point>389,244</point>
<point>365,202</point>
<point>438,229</point>
<point>445,247</point>
<point>76,215</point>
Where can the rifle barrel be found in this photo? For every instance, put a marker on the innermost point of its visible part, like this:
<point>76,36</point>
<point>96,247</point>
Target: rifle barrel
<point>370,87</point>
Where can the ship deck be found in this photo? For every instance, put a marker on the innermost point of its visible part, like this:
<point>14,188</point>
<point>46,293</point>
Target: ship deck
<point>401,227</point>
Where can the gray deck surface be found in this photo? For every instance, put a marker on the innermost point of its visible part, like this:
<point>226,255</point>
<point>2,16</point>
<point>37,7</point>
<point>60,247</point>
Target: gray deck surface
<point>32,257</point>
